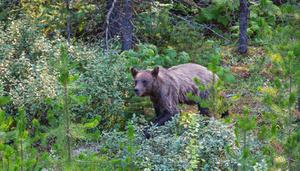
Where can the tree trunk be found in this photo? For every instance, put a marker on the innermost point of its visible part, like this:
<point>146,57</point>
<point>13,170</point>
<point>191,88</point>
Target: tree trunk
<point>114,18</point>
<point>119,22</point>
<point>243,41</point>
<point>127,28</point>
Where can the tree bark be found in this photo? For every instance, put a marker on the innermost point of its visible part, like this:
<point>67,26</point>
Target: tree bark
<point>114,17</point>
<point>243,40</point>
<point>119,22</point>
<point>127,28</point>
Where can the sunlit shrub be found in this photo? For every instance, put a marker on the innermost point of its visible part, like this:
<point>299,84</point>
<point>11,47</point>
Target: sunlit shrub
<point>190,142</point>
<point>148,56</point>
<point>26,74</point>
<point>106,82</point>
<point>28,69</point>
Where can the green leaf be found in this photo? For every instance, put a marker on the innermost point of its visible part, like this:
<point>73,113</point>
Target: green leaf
<point>170,52</point>
<point>246,153</point>
<point>262,134</point>
<point>223,20</point>
<point>35,123</point>
<point>4,100</point>
<point>79,99</point>
<point>246,122</point>
<point>63,66</point>
<point>91,124</point>
<point>183,57</point>
<point>228,77</point>
<point>277,83</point>
<point>130,132</point>
<point>21,124</point>
<point>235,97</point>
<point>273,129</point>
<point>292,98</point>
<point>204,104</point>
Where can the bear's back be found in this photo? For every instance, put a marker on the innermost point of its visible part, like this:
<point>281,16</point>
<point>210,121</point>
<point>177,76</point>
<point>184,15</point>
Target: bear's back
<point>186,73</point>
<point>180,80</point>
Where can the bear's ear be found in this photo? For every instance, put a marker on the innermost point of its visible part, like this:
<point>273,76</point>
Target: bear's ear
<point>134,71</point>
<point>155,72</point>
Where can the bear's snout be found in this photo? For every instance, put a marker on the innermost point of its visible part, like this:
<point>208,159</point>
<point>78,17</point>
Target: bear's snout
<point>137,91</point>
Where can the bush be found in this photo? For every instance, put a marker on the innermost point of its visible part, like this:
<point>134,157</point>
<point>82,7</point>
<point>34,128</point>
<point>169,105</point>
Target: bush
<point>26,74</point>
<point>188,143</point>
<point>28,69</point>
<point>158,25</point>
<point>198,143</point>
<point>147,55</point>
<point>106,82</point>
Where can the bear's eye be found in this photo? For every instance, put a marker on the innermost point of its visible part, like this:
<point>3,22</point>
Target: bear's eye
<point>144,82</point>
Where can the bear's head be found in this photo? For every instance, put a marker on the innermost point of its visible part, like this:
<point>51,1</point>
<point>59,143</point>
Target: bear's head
<point>144,81</point>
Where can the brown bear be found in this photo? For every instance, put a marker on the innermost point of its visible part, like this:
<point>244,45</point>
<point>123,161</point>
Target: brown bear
<point>169,87</point>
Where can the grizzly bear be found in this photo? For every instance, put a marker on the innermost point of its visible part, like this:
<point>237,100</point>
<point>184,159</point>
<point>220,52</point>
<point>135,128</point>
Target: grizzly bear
<point>169,87</point>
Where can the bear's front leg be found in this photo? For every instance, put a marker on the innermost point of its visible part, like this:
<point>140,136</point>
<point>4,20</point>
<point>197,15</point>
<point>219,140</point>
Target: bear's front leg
<point>164,118</point>
<point>203,110</point>
<point>157,110</point>
<point>156,121</point>
<point>158,115</point>
<point>166,115</point>
<point>161,120</point>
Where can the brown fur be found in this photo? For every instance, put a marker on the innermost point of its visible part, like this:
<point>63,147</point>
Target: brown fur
<point>169,87</point>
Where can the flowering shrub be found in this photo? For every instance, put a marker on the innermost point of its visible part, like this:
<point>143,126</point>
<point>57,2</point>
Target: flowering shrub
<point>28,69</point>
<point>106,82</point>
<point>193,143</point>
<point>185,143</point>
<point>26,73</point>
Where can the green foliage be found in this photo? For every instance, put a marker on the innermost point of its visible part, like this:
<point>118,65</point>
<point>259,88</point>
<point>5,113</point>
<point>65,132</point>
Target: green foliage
<point>64,79</point>
<point>92,157</point>
<point>29,69</point>
<point>50,16</point>
<point>4,100</point>
<point>216,99</point>
<point>147,55</point>
<point>245,125</point>
<point>275,121</point>
<point>219,11</point>
<point>192,142</point>
<point>279,98</point>
<point>158,26</point>
<point>192,145</point>
<point>8,10</point>
<point>16,150</point>
<point>50,93</point>
<point>262,19</point>
<point>25,72</point>
<point>106,81</point>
